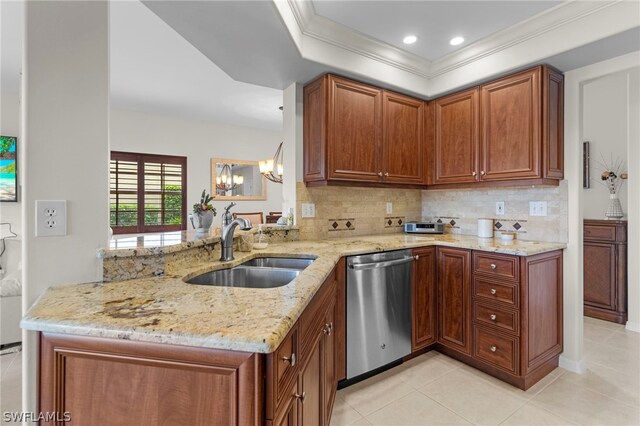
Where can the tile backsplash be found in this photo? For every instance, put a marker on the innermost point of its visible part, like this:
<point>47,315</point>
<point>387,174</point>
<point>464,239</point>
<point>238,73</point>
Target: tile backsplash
<point>350,211</point>
<point>461,208</point>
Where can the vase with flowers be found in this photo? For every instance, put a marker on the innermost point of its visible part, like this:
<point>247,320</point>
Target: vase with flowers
<point>203,213</point>
<point>612,178</point>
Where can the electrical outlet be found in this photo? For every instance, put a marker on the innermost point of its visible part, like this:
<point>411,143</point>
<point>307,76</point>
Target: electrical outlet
<point>537,208</point>
<point>308,210</point>
<point>51,218</point>
<point>500,207</point>
<point>389,208</point>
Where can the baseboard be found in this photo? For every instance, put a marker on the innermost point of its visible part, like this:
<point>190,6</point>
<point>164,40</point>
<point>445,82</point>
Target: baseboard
<point>633,326</point>
<point>579,367</point>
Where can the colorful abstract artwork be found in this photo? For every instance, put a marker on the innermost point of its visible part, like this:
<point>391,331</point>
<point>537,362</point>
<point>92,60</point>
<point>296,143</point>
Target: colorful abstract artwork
<point>8,175</point>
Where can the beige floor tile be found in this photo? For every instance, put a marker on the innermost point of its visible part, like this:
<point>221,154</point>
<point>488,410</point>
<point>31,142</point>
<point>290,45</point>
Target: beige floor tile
<point>625,340</point>
<point>424,369</point>
<point>625,361</point>
<point>472,398</point>
<point>374,393</point>
<point>582,406</point>
<point>530,415</point>
<point>11,393</point>
<point>517,392</point>
<point>597,333</point>
<point>603,324</point>
<point>607,381</point>
<point>415,409</point>
<point>343,414</point>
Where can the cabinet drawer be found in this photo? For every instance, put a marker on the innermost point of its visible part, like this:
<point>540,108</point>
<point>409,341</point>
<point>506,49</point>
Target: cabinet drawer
<point>496,349</point>
<point>495,265</point>
<point>494,317</point>
<point>285,360</point>
<point>602,233</point>
<point>488,290</point>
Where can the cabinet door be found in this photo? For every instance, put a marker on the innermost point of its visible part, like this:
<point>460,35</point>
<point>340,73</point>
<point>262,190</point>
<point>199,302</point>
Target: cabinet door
<point>288,413</point>
<point>600,275</point>
<point>424,298</point>
<point>510,140</point>
<point>456,137</point>
<point>403,147</point>
<point>454,282</point>
<point>329,353</point>
<point>355,131</point>
<point>311,386</point>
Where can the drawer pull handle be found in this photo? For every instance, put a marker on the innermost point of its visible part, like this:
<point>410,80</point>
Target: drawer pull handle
<point>493,348</point>
<point>482,172</point>
<point>493,266</point>
<point>493,291</point>
<point>473,174</point>
<point>291,360</point>
<point>301,397</point>
<point>416,257</point>
<point>493,317</point>
<point>327,329</point>
<point>380,174</point>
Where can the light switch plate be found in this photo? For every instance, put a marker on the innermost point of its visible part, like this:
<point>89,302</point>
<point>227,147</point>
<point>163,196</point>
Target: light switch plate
<point>537,208</point>
<point>51,218</point>
<point>500,208</point>
<point>389,208</point>
<point>308,210</point>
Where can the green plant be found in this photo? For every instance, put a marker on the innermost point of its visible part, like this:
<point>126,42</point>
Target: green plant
<point>204,204</point>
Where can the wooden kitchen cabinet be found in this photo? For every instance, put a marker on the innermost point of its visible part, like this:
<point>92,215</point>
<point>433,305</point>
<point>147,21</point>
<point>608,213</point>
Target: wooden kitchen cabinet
<point>423,298</point>
<point>456,137</point>
<point>454,290</point>
<point>357,133</point>
<point>605,270</point>
<point>506,132</point>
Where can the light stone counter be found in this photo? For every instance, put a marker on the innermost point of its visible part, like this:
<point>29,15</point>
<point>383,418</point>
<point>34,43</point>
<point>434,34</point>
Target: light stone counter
<point>165,309</point>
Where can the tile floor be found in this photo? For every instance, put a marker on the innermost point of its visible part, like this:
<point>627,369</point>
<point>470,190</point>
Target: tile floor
<point>434,389</point>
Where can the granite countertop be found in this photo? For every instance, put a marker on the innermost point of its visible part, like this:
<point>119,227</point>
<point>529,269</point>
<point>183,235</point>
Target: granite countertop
<point>168,310</point>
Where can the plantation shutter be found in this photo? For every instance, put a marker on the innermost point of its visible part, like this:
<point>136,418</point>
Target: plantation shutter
<point>147,192</point>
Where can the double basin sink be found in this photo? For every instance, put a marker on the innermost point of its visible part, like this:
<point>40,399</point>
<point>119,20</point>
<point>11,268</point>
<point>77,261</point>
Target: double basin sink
<point>262,272</point>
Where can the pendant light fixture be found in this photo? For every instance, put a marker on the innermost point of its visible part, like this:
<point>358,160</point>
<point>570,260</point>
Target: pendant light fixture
<point>272,169</point>
<point>226,180</point>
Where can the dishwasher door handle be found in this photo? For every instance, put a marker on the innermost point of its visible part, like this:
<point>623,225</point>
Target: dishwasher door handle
<point>375,265</point>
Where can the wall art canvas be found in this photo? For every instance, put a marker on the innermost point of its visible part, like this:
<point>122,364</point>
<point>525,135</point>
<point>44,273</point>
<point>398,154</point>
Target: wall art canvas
<point>8,169</point>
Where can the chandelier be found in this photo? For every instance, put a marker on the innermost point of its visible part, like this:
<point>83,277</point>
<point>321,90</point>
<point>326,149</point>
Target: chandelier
<point>226,180</point>
<point>272,169</point>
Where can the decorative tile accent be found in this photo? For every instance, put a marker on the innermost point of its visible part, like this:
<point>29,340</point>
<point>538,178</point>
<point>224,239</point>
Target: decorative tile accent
<point>394,221</point>
<point>450,222</point>
<point>498,225</point>
<point>517,226</point>
<point>345,224</point>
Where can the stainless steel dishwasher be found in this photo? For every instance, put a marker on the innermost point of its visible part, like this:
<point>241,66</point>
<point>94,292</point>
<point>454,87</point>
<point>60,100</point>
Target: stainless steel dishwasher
<point>378,310</point>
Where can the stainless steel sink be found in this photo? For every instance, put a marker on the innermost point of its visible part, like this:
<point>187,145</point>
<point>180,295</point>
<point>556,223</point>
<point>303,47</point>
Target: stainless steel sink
<point>279,262</point>
<point>264,272</point>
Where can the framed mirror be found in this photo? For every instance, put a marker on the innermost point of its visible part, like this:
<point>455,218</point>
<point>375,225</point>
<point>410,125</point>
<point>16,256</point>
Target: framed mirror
<point>237,180</point>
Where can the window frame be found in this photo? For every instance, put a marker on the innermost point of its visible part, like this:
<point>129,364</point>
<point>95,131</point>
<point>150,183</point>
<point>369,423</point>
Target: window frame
<point>141,159</point>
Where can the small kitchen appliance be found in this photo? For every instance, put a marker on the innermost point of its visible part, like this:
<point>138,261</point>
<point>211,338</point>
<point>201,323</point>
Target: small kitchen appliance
<point>424,228</point>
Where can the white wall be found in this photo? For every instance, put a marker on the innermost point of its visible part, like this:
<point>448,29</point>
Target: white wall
<point>11,212</point>
<point>65,134</point>
<point>605,125</point>
<point>199,141</point>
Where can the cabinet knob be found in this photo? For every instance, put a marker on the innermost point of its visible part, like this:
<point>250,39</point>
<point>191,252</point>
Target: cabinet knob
<point>493,348</point>
<point>493,317</point>
<point>416,257</point>
<point>301,397</point>
<point>386,174</point>
<point>327,329</point>
<point>473,174</point>
<point>493,291</point>
<point>291,360</point>
<point>380,174</point>
<point>482,172</point>
<point>493,266</point>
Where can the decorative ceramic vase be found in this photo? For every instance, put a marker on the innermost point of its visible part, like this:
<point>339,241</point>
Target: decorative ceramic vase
<point>203,221</point>
<point>614,211</point>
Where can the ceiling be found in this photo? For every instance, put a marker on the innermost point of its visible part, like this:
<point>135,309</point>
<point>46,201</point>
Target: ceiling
<point>435,23</point>
<point>228,61</point>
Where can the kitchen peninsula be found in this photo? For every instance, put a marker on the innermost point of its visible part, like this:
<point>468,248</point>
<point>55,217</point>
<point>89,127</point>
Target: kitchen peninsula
<point>224,355</point>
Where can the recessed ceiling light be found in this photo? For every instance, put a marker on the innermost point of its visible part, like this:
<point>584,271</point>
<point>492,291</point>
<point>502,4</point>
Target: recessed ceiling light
<point>456,41</point>
<point>410,39</point>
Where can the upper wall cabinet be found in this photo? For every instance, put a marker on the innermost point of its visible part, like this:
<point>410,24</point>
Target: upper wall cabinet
<point>508,131</point>
<point>356,133</point>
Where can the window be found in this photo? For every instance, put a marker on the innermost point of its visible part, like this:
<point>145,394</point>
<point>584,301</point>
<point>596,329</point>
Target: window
<point>147,193</point>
